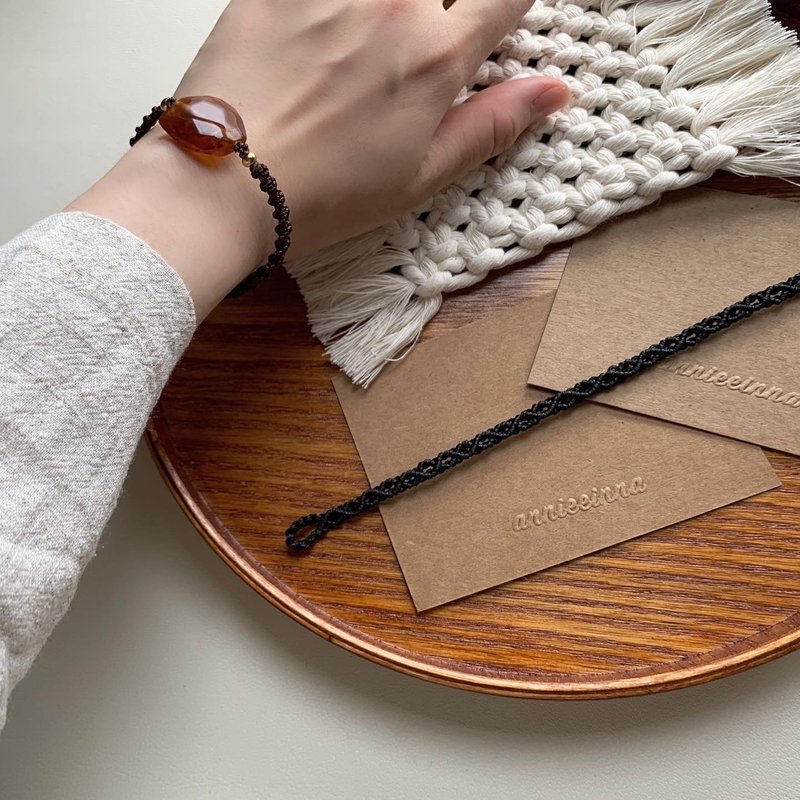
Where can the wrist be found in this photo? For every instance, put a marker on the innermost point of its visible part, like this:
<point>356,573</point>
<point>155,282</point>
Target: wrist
<point>206,218</point>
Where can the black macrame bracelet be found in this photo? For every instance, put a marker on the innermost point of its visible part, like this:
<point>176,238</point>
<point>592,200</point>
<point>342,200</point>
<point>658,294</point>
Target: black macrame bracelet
<point>222,133</point>
<point>538,412</point>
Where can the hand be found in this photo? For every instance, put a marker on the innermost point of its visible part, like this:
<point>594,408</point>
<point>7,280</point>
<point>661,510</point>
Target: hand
<point>349,103</point>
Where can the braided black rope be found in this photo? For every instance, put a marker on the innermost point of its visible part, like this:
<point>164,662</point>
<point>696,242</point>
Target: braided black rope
<point>538,412</point>
<point>280,213</point>
<point>267,184</point>
<point>150,121</point>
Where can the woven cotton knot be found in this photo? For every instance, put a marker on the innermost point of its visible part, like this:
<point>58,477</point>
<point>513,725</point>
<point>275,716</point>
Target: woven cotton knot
<point>434,284</point>
<point>663,95</point>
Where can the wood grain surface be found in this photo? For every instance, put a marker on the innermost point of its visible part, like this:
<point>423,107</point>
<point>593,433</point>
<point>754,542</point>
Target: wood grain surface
<point>249,436</point>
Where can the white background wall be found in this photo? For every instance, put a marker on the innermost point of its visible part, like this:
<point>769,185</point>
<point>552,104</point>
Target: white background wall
<point>171,679</point>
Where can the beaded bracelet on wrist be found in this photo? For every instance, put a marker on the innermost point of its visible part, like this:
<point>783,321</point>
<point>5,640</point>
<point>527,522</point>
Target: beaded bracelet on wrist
<point>210,126</point>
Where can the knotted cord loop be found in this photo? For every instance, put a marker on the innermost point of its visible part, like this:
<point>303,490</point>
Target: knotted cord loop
<point>549,407</point>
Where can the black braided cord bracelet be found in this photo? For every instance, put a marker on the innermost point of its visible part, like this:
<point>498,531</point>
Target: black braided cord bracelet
<point>259,171</point>
<point>538,412</point>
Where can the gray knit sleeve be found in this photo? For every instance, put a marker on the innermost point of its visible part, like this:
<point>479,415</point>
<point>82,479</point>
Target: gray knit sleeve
<point>92,321</point>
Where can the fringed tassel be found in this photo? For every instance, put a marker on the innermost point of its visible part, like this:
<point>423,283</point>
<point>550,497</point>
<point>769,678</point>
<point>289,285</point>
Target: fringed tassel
<point>363,311</point>
<point>726,59</point>
<point>759,115</point>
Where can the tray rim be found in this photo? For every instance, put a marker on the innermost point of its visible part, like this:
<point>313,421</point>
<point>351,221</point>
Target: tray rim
<point>768,644</point>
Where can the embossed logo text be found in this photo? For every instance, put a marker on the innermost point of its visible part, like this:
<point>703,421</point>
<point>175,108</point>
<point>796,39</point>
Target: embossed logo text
<point>562,508</point>
<point>736,383</point>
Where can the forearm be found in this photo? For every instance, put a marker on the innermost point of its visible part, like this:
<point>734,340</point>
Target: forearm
<point>92,321</point>
<point>208,220</point>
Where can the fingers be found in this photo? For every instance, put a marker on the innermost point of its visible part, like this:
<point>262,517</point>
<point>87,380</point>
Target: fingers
<point>487,124</point>
<point>481,24</point>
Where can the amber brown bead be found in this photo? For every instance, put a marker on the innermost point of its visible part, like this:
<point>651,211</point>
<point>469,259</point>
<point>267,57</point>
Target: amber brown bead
<point>204,124</point>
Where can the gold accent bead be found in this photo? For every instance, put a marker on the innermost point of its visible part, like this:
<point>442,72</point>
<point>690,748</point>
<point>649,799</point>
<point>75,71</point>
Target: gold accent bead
<point>165,103</point>
<point>249,159</point>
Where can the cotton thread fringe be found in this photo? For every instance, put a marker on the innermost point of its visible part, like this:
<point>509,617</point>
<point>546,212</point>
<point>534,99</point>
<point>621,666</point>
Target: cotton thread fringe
<point>665,93</point>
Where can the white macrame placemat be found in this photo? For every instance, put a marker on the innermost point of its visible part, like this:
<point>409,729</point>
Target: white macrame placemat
<point>665,92</point>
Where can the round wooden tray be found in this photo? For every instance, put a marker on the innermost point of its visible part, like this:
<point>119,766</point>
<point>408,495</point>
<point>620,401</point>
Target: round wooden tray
<point>249,435</point>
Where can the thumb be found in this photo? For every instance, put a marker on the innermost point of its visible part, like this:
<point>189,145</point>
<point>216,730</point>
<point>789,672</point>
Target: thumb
<point>487,124</point>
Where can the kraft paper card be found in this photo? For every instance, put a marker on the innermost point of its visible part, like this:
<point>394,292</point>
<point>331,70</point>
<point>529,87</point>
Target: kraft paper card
<point>646,277</point>
<point>580,482</point>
